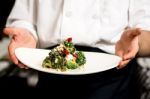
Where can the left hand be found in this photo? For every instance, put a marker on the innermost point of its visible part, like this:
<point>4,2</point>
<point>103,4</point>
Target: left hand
<point>128,46</point>
<point>21,37</point>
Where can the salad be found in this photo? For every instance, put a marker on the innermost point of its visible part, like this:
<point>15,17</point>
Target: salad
<point>64,57</point>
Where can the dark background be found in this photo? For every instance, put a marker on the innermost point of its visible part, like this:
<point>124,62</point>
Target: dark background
<point>10,86</point>
<point>5,8</point>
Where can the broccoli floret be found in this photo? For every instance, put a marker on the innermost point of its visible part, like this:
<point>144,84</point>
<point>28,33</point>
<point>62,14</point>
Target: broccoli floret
<point>80,58</point>
<point>71,65</point>
<point>70,47</point>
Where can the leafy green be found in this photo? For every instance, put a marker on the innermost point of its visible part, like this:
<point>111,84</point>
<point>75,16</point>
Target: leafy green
<point>47,63</point>
<point>57,59</point>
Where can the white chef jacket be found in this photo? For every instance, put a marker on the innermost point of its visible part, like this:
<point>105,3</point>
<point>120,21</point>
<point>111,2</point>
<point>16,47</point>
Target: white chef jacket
<point>95,23</point>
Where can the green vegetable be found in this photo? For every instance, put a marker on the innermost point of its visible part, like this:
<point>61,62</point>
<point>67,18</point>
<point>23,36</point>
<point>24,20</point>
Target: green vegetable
<point>70,47</point>
<point>80,58</point>
<point>57,58</point>
<point>47,63</point>
<point>71,65</point>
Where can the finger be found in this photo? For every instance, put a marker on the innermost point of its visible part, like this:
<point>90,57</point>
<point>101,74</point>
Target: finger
<point>12,54</point>
<point>26,67</point>
<point>22,65</point>
<point>10,31</point>
<point>134,32</point>
<point>119,53</point>
<point>118,50</point>
<point>130,55</point>
<point>123,64</point>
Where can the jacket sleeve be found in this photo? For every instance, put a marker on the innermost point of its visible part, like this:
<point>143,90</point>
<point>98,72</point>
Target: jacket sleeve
<point>22,15</point>
<point>139,14</point>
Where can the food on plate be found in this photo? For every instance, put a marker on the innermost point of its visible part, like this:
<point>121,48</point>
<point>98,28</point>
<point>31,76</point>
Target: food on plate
<point>64,57</point>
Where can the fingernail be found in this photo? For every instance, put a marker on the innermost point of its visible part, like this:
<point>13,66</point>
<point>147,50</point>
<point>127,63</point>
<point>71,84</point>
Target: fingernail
<point>21,67</point>
<point>118,67</point>
<point>26,67</point>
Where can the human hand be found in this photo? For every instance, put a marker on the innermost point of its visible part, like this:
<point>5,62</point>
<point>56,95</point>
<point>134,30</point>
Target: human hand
<point>128,46</point>
<point>20,38</point>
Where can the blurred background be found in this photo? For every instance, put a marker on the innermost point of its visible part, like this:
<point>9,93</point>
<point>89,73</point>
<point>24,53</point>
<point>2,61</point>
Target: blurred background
<point>13,78</point>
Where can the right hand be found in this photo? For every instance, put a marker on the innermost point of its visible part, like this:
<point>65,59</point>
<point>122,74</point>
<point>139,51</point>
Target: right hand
<point>128,46</point>
<point>20,38</point>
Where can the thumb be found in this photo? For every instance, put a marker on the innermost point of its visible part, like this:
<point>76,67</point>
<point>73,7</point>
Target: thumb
<point>134,32</point>
<point>9,31</point>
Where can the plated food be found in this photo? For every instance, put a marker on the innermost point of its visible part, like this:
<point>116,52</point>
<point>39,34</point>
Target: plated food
<point>85,63</point>
<point>64,57</point>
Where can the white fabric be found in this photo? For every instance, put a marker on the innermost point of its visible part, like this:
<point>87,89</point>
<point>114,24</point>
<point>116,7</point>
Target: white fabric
<point>95,23</point>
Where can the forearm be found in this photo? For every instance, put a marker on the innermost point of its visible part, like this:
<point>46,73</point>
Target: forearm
<point>144,44</point>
